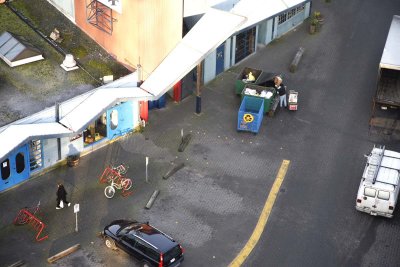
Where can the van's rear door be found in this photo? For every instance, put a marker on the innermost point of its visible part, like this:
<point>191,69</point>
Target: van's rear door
<point>369,200</point>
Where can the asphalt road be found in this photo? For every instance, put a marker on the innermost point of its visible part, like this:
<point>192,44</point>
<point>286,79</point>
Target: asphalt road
<point>314,222</point>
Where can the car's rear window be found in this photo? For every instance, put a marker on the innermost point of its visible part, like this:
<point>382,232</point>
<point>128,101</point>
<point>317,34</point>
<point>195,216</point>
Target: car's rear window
<point>369,192</point>
<point>172,253</point>
<point>383,195</point>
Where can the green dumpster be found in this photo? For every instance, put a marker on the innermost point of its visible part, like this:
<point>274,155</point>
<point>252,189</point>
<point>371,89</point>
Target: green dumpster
<point>241,79</point>
<point>256,91</point>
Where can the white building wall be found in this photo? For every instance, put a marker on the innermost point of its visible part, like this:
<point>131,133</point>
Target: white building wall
<point>69,147</point>
<point>67,7</point>
<point>50,152</point>
<point>210,66</point>
<point>227,56</point>
<point>136,114</point>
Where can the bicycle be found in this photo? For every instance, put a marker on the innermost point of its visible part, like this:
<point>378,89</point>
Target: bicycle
<point>123,184</point>
<point>116,172</point>
<point>21,220</point>
<point>121,169</point>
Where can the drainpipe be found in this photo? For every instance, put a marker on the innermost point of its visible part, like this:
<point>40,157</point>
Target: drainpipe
<point>139,74</point>
<point>57,106</point>
<point>198,91</point>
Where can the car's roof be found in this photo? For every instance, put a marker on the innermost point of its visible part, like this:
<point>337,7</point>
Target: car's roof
<point>152,235</point>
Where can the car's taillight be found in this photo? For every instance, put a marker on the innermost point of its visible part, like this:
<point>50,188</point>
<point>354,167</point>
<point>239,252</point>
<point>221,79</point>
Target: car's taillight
<point>358,200</point>
<point>182,249</point>
<point>391,207</point>
<point>161,264</point>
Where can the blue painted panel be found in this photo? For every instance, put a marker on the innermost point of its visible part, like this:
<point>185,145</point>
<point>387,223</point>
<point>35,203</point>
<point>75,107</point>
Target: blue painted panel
<point>119,120</point>
<point>15,168</point>
<point>220,59</point>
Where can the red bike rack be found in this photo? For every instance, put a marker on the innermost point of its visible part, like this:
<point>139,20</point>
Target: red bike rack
<point>25,217</point>
<point>111,174</point>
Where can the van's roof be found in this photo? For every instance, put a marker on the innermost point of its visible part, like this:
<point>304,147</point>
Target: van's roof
<point>388,172</point>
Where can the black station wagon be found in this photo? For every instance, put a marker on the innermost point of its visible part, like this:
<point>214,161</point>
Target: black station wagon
<point>144,242</point>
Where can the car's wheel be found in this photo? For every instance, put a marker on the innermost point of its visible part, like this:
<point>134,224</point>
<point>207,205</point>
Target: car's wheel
<point>110,243</point>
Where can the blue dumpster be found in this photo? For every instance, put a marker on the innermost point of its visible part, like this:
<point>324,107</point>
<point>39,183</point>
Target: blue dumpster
<point>250,114</point>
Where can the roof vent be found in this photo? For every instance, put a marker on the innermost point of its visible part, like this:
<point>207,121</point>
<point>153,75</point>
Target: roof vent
<point>69,63</point>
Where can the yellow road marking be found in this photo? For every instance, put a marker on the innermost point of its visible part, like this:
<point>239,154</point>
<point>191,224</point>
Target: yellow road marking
<point>262,221</point>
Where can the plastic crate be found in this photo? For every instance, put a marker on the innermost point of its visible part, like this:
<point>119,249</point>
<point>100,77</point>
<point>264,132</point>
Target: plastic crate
<point>250,114</point>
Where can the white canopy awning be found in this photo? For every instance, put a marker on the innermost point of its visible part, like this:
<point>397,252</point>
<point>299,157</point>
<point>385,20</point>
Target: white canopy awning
<point>15,135</point>
<point>98,102</point>
<point>391,52</point>
<point>259,10</point>
<point>209,32</point>
<point>75,114</point>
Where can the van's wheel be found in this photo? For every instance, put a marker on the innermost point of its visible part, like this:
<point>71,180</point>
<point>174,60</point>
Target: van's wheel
<point>110,243</point>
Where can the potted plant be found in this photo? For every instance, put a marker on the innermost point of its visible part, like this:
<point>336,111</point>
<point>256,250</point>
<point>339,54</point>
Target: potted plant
<point>313,25</point>
<point>73,160</point>
<point>317,15</point>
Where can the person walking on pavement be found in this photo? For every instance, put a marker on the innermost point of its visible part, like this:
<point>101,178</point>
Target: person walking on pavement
<point>280,87</point>
<point>61,196</point>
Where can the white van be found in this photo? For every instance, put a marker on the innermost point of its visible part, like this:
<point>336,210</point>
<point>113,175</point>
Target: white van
<point>379,187</point>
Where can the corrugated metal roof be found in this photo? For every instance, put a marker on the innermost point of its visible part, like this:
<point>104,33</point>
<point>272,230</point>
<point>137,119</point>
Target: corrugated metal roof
<point>391,53</point>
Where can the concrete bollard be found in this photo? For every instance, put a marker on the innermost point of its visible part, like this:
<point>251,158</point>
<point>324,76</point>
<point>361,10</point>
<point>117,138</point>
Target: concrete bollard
<point>152,199</point>
<point>296,60</point>
<point>173,170</point>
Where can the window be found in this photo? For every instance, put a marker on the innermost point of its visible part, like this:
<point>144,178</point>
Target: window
<point>20,162</point>
<point>369,192</point>
<point>114,119</point>
<point>282,18</point>
<point>130,239</point>
<point>35,153</point>
<point>141,247</point>
<point>383,195</point>
<point>151,253</point>
<point>289,14</point>
<point>5,169</point>
<point>300,8</point>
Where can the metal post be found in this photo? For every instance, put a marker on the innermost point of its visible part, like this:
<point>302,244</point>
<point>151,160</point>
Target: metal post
<point>76,222</point>
<point>57,117</point>
<point>198,91</point>
<point>147,163</point>
<point>182,135</point>
<point>76,210</point>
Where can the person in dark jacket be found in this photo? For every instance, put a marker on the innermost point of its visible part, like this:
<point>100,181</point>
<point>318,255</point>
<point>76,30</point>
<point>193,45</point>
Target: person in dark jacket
<point>61,195</point>
<point>280,87</point>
